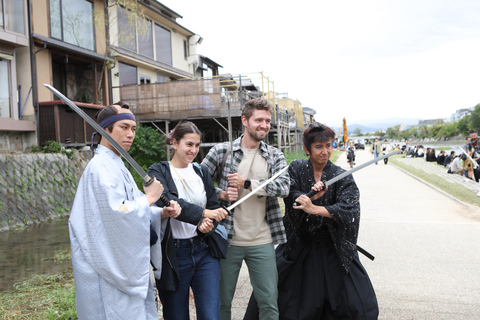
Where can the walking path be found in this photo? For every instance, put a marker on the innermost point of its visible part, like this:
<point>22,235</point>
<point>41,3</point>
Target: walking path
<point>425,244</point>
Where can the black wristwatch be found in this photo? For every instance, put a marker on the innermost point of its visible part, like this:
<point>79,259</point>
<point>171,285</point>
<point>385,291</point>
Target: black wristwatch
<point>247,184</point>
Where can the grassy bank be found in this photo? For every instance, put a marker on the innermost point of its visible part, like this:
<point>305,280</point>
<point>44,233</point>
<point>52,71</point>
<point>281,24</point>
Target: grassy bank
<point>41,297</point>
<point>454,189</point>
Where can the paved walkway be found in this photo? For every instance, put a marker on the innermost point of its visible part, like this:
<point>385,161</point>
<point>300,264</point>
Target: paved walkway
<point>425,243</point>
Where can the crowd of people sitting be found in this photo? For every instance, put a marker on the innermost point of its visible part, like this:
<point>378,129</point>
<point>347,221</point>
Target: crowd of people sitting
<point>466,163</point>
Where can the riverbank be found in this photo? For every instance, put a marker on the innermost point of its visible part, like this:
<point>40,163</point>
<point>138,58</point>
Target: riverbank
<point>462,189</point>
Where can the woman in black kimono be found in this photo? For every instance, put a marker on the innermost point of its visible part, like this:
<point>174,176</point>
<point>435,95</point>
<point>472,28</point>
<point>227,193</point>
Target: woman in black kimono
<point>320,274</point>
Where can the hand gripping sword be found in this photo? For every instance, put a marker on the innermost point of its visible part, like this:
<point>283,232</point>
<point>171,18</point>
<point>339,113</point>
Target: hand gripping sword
<point>147,180</point>
<point>254,191</point>
<point>349,172</point>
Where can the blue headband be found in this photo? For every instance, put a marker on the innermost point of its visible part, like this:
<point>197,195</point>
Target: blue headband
<point>116,117</point>
<point>112,119</point>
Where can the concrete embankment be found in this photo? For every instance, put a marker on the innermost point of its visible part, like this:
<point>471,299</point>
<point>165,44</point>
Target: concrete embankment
<point>37,187</point>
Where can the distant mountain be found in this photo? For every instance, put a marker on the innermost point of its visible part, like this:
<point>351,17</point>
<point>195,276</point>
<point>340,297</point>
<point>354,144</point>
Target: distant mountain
<point>351,128</point>
<point>388,122</point>
<point>368,126</point>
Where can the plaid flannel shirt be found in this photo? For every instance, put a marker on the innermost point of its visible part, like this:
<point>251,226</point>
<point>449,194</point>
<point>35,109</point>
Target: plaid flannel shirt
<point>280,187</point>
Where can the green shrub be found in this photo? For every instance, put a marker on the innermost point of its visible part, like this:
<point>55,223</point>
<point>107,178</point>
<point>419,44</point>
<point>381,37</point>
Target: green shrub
<point>147,148</point>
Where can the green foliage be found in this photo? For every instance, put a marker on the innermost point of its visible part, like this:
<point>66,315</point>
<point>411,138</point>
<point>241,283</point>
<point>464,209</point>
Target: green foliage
<point>41,297</point>
<point>474,121</point>
<point>53,147</point>
<point>438,130</point>
<point>379,133</point>
<point>463,125</point>
<point>147,148</point>
<point>357,132</point>
<point>290,156</point>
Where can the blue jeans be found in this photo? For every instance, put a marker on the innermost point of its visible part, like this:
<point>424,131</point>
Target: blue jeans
<point>200,271</point>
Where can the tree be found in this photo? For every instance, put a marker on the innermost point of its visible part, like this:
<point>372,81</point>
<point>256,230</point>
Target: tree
<point>357,131</point>
<point>393,132</point>
<point>462,125</point>
<point>475,118</point>
<point>147,148</point>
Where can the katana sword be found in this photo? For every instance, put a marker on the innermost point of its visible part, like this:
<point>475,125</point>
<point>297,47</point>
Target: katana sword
<point>254,191</point>
<point>147,180</point>
<point>351,171</point>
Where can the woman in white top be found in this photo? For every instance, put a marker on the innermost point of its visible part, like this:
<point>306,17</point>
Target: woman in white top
<point>187,261</point>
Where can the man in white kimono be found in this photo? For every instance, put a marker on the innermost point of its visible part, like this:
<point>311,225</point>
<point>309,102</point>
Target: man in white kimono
<point>110,231</point>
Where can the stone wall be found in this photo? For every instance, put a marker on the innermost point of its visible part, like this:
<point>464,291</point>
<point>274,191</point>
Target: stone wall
<point>37,187</point>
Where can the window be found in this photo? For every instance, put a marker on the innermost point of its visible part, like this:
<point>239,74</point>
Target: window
<point>127,37</point>
<point>185,49</point>
<point>12,15</point>
<point>145,39</point>
<point>145,80</point>
<point>72,21</point>
<point>163,45</point>
<point>4,89</point>
<point>136,34</point>
<point>208,72</point>
<point>161,79</point>
<point>127,73</point>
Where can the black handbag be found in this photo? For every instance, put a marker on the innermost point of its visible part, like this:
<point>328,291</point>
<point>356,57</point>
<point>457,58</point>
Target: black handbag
<point>217,242</point>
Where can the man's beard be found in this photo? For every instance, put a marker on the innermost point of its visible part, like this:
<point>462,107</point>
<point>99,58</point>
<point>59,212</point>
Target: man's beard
<point>254,135</point>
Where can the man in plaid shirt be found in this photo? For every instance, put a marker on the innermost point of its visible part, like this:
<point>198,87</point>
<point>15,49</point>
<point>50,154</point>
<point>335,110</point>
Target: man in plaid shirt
<point>256,225</point>
<point>474,147</point>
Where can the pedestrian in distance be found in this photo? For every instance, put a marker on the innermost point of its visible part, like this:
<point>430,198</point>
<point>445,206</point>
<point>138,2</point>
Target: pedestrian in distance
<point>188,262</point>
<point>351,153</point>
<point>320,274</point>
<point>385,149</point>
<point>376,149</point>
<point>114,230</point>
<point>256,224</point>
<point>474,150</point>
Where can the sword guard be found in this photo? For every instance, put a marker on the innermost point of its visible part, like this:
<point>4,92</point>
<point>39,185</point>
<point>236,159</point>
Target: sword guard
<point>147,180</point>
<point>229,212</point>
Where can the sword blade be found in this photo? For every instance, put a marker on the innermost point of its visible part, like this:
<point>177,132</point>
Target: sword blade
<point>359,167</point>
<point>351,171</point>
<point>254,191</point>
<point>146,178</point>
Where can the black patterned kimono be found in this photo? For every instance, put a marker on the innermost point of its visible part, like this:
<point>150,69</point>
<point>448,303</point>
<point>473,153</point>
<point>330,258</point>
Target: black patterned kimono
<point>319,273</point>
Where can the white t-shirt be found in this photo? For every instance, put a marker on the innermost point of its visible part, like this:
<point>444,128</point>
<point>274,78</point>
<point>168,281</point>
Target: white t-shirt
<point>196,190</point>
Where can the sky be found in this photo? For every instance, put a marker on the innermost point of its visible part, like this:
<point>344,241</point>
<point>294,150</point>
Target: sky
<point>363,60</point>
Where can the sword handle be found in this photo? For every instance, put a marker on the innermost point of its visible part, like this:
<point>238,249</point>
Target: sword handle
<point>147,180</point>
<point>229,212</point>
<point>311,193</point>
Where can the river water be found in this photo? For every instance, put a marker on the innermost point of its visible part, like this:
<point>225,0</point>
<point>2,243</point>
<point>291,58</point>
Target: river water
<point>32,251</point>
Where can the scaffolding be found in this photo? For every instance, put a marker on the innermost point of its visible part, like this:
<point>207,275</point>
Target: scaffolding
<point>217,98</point>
